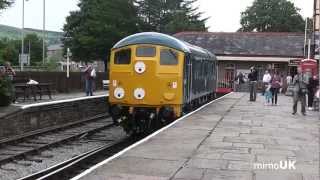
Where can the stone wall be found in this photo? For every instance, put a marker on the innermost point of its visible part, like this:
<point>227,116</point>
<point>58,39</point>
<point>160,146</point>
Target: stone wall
<point>45,116</point>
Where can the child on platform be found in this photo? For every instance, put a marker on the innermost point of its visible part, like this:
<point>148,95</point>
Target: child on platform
<point>268,94</point>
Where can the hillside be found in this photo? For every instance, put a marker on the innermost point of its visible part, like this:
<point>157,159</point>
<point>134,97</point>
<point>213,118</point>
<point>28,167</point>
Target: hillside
<point>15,33</point>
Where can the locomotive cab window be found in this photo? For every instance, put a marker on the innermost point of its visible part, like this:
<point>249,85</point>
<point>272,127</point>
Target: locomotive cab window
<point>122,57</point>
<point>146,51</point>
<point>168,57</point>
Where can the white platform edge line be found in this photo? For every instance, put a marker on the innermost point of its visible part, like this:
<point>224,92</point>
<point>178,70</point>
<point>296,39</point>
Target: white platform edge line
<point>142,141</point>
<point>61,101</point>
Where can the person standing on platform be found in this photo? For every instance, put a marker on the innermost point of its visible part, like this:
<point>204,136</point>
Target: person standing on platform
<point>10,73</point>
<point>311,91</point>
<point>268,94</point>
<point>300,82</point>
<point>266,80</point>
<point>240,78</point>
<point>253,78</point>
<point>88,75</point>
<point>2,72</point>
<point>275,86</point>
<point>289,79</point>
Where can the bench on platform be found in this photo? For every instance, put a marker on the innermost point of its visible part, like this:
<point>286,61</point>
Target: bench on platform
<point>32,90</point>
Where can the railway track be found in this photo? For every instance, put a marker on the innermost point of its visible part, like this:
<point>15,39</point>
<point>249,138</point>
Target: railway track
<point>97,131</point>
<point>76,165</point>
<point>27,151</point>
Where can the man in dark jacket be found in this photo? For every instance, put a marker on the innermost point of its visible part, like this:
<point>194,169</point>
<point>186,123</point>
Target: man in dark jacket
<point>88,80</point>
<point>253,78</point>
<point>300,82</point>
<point>311,91</point>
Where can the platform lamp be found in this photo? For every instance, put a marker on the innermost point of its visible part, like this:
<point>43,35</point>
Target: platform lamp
<point>317,22</point>
<point>44,33</point>
<point>22,37</point>
<point>318,49</point>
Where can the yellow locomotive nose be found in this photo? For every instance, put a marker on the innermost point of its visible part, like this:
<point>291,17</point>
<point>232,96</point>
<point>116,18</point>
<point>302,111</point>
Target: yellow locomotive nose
<point>140,78</point>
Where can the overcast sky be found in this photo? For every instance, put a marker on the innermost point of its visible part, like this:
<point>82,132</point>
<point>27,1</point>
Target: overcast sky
<point>224,14</point>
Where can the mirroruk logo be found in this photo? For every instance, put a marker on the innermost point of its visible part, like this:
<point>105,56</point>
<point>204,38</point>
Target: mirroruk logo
<point>281,165</point>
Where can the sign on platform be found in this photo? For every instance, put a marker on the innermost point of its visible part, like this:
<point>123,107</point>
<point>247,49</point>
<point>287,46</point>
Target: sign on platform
<point>24,59</point>
<point>294,62</point>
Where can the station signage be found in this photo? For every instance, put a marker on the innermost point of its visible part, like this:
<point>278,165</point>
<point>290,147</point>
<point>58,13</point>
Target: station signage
<point>294,62</point>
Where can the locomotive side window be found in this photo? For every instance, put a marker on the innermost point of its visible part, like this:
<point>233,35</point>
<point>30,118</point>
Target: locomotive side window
<point>123,57</point>
<point>146,51</point>
<point>168,57</point>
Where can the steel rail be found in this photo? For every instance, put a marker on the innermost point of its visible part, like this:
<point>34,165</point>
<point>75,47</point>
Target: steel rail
<point>71,167</point>
<point>54,143</point>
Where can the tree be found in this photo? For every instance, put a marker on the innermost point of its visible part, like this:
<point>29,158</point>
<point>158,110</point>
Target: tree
<point>170,16</point>
<point>5,3</point>
<point>272,16</point>
<point>91,32</point>
<point>9,51</point>
<point>34,48</point>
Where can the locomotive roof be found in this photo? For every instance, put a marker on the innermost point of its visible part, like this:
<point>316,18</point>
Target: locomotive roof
<point>163,40</point>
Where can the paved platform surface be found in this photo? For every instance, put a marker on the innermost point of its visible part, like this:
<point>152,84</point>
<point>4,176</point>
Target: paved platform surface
<point>57,97</point>
<point>223,141</point>
<point>13,108</point>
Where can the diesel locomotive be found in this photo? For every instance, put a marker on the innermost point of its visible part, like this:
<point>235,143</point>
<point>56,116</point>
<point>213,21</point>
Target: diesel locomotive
<point>155,78</point>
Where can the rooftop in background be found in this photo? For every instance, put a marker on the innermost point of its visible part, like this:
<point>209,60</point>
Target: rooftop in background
<point>247,43</point>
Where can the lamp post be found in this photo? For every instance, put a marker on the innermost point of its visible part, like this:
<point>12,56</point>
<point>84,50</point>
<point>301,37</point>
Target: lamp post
<point>22,37</point>
<point>68,62</point>
<point>44,32</point>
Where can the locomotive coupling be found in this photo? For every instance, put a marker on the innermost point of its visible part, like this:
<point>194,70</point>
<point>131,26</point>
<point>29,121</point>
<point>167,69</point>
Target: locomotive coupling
<point>167,113</point>
<point>116,113</point>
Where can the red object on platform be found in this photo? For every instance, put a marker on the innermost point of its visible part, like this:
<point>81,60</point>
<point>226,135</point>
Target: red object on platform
<point>309,65</point>
<point>224,90</point>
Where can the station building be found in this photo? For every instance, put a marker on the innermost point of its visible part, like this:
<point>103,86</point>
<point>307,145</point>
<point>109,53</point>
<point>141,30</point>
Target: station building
<point>237,52</point>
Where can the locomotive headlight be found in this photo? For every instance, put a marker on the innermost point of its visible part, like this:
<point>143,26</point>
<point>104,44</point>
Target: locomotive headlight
<point>140,67</point>
<point>139,93</point>
<point>118,93</point>
<point>174,85</point>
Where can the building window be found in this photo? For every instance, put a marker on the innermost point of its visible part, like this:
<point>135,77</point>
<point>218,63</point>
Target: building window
<point>123,57</point>
<point>276,66</point>
<point>260,71</point>
<point>230,66</point>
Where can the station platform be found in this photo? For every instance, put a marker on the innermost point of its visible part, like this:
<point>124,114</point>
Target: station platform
<point>58,97</point>
<point>20,104</point>
<point>230,138</point>
<point>31,117</point>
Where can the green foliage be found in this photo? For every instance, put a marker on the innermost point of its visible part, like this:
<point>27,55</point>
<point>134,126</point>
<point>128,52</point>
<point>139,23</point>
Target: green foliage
<point>5,3</point>
<point>51,65</point>
<point>10,49</point>
<point>272,16</point>
<point>91,32</point>
<point>6,91</point>
<point>33,44</point>
<point>170,16</point>
<point>14,33</point>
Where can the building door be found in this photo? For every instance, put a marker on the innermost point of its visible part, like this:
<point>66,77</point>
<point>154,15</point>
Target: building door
<point>229,75</point>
